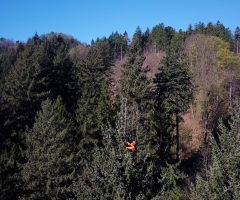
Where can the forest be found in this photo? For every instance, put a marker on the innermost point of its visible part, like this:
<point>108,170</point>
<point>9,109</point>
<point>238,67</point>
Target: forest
<point>149,116</point>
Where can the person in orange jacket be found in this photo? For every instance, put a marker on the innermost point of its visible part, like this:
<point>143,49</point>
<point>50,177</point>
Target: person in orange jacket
<point>131,146</point>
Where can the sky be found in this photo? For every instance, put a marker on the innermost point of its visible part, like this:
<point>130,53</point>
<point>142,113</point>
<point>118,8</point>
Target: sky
<point>88,19</point>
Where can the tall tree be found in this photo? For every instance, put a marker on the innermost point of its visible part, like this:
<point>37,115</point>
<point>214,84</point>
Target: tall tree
<point>21,98</point>
<point>136,92</point>
<point>136,89</point>
<point>237,40</point>
<point>42,69</point>
<point>173,92</point>
<point>49,170</point>
<point>93,74</point>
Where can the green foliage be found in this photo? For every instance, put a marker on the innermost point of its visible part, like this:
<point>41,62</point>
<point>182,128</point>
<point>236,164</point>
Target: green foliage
<point>221,179</point>
<point>42,69</point>
<point>217,29</point>
<point>225,57</point>
<point>169,181</point>
<point>137,45</point>
<point>137,90</point>
<point>161,36</point>
<point>43,152</point>
<point>173,92</point>
<point>94,109</point>
<point>118,44</point>
<point>92,76</point>
<point>115,173</point>
<point>108,176</point>
<point>104,110</point>
<point>20,101</point>
<point>49,170</point>
<point>7,56</point>
<point>173,82</point>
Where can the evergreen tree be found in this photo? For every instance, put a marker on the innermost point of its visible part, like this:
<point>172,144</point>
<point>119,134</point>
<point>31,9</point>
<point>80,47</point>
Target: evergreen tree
<point>42,69</point>
<point>136,91</point>
<point>137,42</point>
<point>49,170</point>
<point>157,37</point>
<point>7,56</point>
<point>114,172</point>
<point>221,179</point>
<point>20,101</point>
<point>60,71</point>
<point>237,40</point>
<point>93,75</point>
<point>173,93</point>
<point>169,181</point>
<point>218,30</point>
<point>104,110</point>
<point>118,45</point>
<point>108,176</point>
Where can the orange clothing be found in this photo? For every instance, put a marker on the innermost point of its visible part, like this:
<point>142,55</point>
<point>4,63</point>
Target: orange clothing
<point>131,146</point>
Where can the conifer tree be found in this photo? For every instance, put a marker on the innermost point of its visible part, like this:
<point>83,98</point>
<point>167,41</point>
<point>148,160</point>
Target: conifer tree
<point>93,105</point>
<point>104,110</point>
<point>21,97</point>
<point>136,91</point>
<point>42,69</point>
<point>49,170</point>
<point>173,93</point>
<point>113,172</point>
<point>136,87</point>
<point>108,176</point>
<point>237,40</point>
<point>169,183</point>
<point>221,176</point>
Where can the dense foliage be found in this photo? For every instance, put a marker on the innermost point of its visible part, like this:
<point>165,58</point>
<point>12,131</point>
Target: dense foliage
<point>65,133</point>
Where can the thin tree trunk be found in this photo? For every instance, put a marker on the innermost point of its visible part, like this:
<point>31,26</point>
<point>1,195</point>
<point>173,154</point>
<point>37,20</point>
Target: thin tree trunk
<point>237,48</point>
<point>230,95</point>
<point>178,136</point>
<point>121,51</point>
<point>192,111</point>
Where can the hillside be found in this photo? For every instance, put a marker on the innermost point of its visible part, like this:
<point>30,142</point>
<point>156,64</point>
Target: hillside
<point>154,117</point>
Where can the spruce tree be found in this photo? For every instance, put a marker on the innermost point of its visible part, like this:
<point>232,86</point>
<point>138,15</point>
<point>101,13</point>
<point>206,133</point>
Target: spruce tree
<point>173,93</point>
<point>42,69</point>
<point>136,88</point>
<point>114,172</point>
<point>94,110</point>
<point>108,176</point>
<point>104,111</point>
<point>49,170</point>
<point>21,97</point>
<point>237,40</point>
<point>221,175</point>
<point>136,92</point>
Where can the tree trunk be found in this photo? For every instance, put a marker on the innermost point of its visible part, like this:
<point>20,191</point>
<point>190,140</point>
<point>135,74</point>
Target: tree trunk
<point>178,136</point>
<point>230,95</point>
<point>121,51</point>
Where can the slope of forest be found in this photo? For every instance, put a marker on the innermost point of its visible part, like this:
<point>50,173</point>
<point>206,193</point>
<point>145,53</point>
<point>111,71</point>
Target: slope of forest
<point>154,118</point>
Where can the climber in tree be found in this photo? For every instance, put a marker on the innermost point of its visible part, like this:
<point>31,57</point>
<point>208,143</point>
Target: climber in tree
<point>130,146</point>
